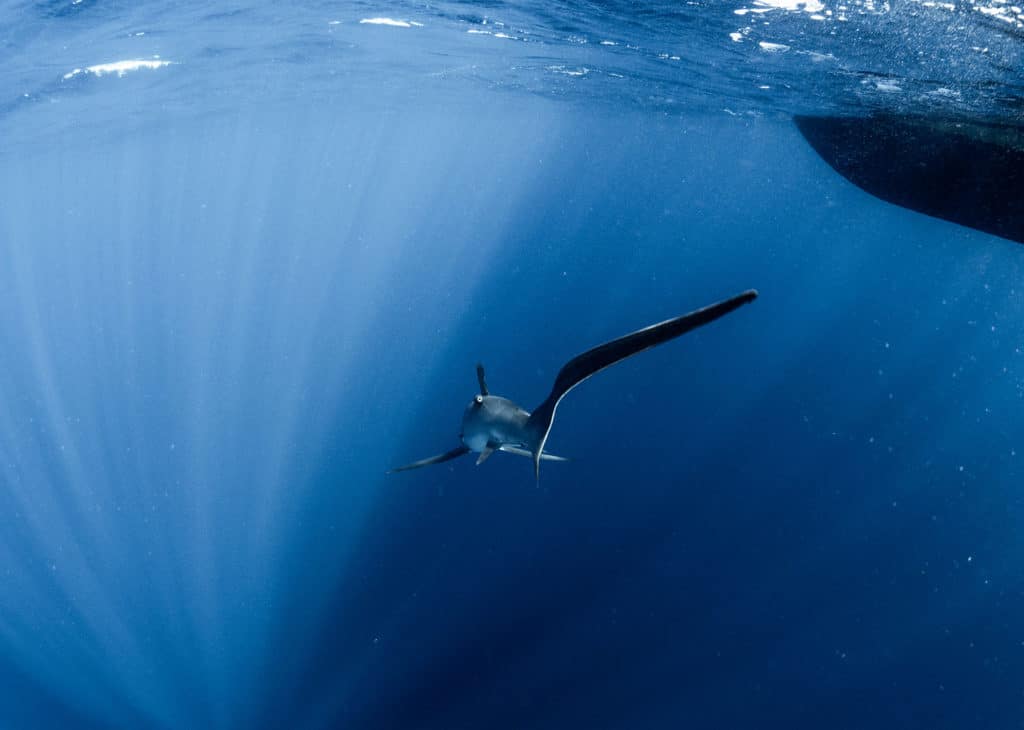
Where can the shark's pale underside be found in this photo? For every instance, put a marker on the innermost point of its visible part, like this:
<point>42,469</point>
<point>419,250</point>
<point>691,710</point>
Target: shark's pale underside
<point>492,423</point>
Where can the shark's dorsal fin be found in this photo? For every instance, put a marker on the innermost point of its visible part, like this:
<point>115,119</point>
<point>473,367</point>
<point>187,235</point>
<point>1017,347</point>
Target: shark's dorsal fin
<point>598,358</point>
<point>480,379</point>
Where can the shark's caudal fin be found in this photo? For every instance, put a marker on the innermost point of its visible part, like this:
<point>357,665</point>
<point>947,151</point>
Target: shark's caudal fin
<point>594,360</point>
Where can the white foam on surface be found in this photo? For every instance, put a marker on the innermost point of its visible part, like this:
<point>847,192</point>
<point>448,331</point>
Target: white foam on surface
<point>117,67</point>
<point>386,21</point>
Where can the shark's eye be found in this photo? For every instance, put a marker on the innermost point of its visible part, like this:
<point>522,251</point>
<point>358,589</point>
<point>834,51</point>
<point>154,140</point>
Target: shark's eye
<point>479,399</point>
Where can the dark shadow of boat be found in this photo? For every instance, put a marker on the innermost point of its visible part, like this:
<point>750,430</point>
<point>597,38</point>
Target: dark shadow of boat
<point>963,172</point>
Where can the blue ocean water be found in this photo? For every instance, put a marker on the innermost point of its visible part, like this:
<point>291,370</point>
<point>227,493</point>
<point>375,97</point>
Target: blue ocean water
<point>252,253</point>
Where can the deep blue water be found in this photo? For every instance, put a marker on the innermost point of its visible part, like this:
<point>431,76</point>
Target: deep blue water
<point>239,287</point>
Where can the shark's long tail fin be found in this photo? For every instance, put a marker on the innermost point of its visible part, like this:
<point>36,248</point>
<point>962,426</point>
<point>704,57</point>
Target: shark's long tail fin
<point>538,428</point>
<point>598,358</point>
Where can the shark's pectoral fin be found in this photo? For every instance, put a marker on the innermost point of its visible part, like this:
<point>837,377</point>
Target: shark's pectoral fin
<point>486,453</point>
<point>446,456</point>
<point>523,452</point>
